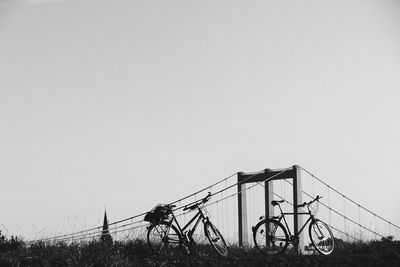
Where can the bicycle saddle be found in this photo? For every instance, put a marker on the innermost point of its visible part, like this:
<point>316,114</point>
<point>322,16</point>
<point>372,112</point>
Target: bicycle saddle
<point>276,202</point>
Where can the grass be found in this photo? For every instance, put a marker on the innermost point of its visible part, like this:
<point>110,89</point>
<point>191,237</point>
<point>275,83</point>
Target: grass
<point>15,252</point>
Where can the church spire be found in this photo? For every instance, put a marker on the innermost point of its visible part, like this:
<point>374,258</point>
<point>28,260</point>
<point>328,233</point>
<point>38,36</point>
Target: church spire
<point>105,235</point>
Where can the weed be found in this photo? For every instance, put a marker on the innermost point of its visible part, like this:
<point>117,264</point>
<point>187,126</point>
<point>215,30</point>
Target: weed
<point>136,253</point>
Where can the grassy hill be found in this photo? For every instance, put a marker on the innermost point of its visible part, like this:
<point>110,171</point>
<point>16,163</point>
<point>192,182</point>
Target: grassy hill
<point>15,252</point>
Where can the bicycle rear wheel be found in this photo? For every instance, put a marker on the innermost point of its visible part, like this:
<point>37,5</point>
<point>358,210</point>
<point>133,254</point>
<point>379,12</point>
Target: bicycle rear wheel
<point>216,239</point>
<point>164,240</point>
<point>321,237</point>
<point>270,237</point>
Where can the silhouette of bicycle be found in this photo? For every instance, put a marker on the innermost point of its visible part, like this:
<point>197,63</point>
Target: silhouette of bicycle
<point>166,237</point>
<point>271,237</point>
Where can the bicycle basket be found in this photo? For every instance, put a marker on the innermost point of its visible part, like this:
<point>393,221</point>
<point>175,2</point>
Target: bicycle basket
<point>313,207</point>
<point>158,213</point>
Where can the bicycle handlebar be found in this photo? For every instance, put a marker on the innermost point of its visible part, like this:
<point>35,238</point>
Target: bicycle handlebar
<point>207,198</point>
<point>195,205</point>
<point>310,202</point>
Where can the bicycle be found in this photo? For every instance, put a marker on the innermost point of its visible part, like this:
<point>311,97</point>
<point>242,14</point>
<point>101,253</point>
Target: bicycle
<point>166,237</point>
<point>271,237</point>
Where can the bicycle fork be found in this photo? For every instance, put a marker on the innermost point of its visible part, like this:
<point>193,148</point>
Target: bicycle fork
<point>319,233</point>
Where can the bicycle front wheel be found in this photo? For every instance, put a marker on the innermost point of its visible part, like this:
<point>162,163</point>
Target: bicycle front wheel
<point>270,237</point>
<point>321,237</point>
<point>164,240</point>
<point>216,239</point>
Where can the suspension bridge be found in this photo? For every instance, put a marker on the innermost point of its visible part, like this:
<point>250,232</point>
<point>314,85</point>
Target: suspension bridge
<point>240,199</point>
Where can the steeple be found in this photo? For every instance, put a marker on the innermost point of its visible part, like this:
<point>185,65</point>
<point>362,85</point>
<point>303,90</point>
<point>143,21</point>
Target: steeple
<point>105,235</point>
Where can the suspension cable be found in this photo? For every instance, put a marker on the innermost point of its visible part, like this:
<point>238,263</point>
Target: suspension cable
<point>364,208</point>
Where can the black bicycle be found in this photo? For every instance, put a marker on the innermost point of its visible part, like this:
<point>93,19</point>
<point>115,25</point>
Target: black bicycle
<point>272,238</point>
<point>167,238</point>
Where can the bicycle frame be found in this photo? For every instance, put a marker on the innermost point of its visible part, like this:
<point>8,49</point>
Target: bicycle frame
<point>199,216</point>
<point>282,216</point>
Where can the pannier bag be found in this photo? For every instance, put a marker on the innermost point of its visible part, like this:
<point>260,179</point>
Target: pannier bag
<point>158,213</point>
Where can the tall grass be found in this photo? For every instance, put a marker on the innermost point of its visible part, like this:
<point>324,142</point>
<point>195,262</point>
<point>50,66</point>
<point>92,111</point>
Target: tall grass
<point>15,252</point>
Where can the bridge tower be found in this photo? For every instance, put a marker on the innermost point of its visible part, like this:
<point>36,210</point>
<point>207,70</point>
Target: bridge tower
<point>267,177</point>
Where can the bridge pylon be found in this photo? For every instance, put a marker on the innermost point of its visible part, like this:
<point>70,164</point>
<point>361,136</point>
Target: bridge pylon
<point>267,177</point>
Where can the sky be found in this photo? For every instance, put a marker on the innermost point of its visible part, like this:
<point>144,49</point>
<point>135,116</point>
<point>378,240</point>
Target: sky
<point>125,104</point>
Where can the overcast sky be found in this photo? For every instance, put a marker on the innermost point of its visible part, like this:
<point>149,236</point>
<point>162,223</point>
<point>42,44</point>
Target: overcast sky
<point>132,103</point>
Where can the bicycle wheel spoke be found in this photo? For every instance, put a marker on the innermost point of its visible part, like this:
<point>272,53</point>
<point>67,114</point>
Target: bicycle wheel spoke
<point>215,238</point>
<point>321,237</point>
<point>164,240</point>
<point>270,237</point>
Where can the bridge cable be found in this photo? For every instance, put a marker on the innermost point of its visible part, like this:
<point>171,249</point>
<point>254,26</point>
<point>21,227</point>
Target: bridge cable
<point>364,208</point>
